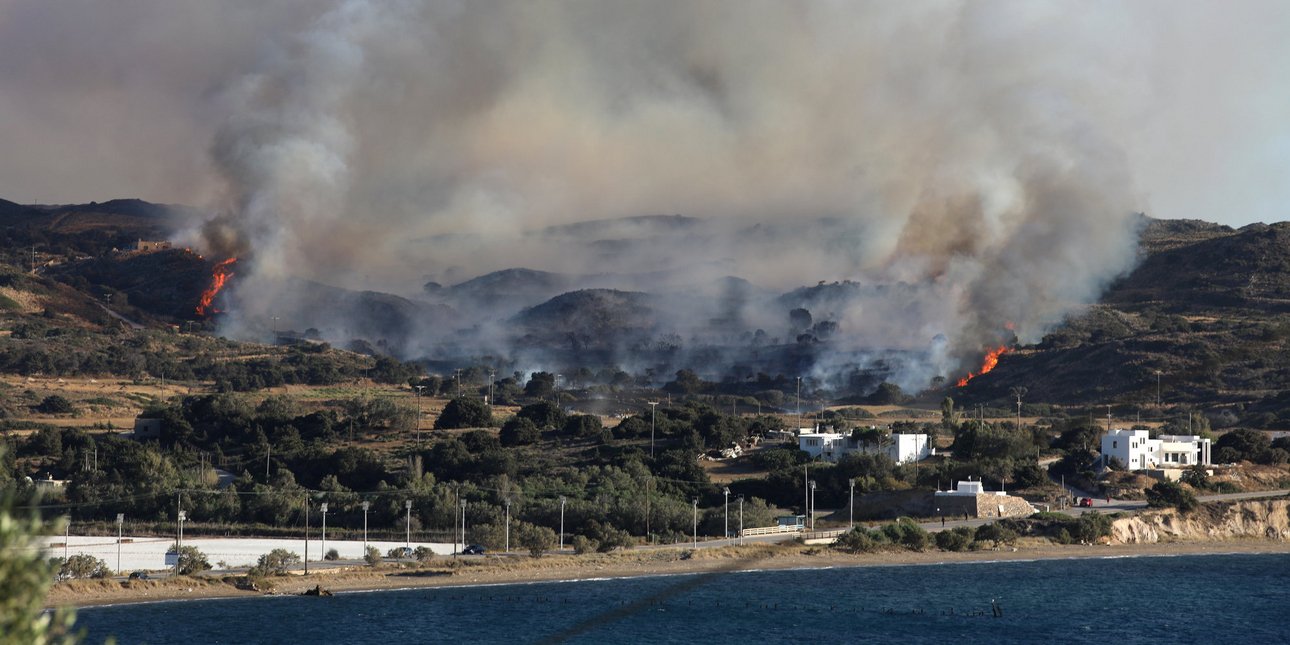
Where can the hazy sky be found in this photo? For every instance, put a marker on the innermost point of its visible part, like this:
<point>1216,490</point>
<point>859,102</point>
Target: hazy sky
<point>100,100</point>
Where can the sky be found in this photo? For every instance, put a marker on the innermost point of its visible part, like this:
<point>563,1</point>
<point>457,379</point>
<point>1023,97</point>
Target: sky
<point>125,99</point>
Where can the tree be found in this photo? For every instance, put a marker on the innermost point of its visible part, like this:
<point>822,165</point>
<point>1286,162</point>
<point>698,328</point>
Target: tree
<point>1167,494</point>
<point>996,533</point>
<point>686,383</point>
<point>1243,444</point>
<point>544,414</point>
<point>957,539</point>
<point>540,384</point>
<point>537,539</point>
<point>25,577</point>
<point>519,431</point>
<point>55,404</point>
<point>83,565</point>
<point>372,556</point>
<point>191,560</point>
<point>275,562</point>
<point>584,426</point>
<point>463,412</point>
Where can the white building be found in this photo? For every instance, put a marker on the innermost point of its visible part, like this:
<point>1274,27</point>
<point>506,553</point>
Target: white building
<point>831,446</point>
<point>1138,451</point>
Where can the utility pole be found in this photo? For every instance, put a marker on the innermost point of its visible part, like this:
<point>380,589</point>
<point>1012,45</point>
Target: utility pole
<point>806,488</point>
<point>323,508</point>
<point>366,505</point>
<point>851,504</point>
<point>653,406</point>
<point>562,501</point>
<point>419,388</point>
<point>492,377</point>
<point>1157,388</point>
<point>407,544</point>
<point>799,404</point>
<point>463,524</point>
<point>1019,392</point>
<point>741,520</point>
<point>696,522</point>
<point>267,454</point>
<point>120,519</point>
<point>726,492</point>
<point>508,526</point>
<point>306,533</point>
<point>812,504</point>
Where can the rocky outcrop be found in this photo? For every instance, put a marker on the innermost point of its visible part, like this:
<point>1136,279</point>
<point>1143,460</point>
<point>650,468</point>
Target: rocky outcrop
<point>1212,522</point>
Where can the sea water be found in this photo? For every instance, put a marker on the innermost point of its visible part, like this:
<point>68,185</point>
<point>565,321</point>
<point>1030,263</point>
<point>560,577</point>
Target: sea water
<point>1238,598</point>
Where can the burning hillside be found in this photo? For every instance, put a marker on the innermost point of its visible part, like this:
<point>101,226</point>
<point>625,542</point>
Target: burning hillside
<point>219,277</point>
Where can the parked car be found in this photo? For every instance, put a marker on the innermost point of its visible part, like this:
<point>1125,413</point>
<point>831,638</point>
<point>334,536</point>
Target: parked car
<point>140,575</point>
<point>1086,502</point>
<point>474,549</point>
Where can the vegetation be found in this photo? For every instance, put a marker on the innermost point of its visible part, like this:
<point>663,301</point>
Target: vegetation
<point>191,561</point>
<point>1168,494</point>
<point>275,563</point>
<point>25,577</point>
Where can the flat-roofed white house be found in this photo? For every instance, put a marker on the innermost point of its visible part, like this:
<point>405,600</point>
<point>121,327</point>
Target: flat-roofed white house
<point>831,446</point>
<point>1138,451</point>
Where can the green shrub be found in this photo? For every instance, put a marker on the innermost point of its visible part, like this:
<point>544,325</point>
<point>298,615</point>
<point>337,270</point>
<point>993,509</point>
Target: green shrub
<point>332,555</point>
<point>957,539</point>
<point>83,565</point>
<point>1171,495</point>
<point>275,562</point>
<point>583,544</point>
<point>372,556</point>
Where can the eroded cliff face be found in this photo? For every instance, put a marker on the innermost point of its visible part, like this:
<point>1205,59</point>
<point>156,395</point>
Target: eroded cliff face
<point>1215,521</point>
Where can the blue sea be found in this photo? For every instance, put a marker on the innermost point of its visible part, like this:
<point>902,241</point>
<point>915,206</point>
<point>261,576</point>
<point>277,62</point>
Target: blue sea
<point>1239,598</point>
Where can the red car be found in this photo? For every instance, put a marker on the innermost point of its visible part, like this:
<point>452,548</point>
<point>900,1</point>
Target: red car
<point>1086,502</point>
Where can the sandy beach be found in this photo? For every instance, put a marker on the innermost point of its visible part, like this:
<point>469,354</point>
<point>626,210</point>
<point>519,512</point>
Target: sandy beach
<point>522,569</point>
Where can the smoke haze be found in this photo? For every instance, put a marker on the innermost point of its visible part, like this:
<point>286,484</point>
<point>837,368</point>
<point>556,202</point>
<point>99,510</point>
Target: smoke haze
<point>954,167</point>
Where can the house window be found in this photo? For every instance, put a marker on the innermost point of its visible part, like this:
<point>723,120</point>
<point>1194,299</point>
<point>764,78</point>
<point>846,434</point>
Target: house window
<point>1115,444</point>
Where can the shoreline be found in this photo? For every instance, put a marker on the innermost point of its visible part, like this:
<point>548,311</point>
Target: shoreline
<point>629,564</point>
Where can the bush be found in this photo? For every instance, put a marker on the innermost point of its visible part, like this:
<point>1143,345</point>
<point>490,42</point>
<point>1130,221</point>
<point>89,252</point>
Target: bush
<point>584,426</point>
<point>519,431</point>
<point>423,554</point>
<point>332,555</point>
<point>191,561</point>
<point>582,544</point>
<point>372,556</point>
<point>861,540</point>
<point>83,565</point>
<point>995,533</point>
<point>537,539</point>
<point>1171,495</point>
<point>55,404</point>
<point>545,415</point>
<point>957,539</point>
<point>275,562</point>
<point>463,412</point>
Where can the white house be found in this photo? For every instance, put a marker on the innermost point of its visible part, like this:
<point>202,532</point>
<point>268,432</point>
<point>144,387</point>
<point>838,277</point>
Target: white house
<point>1138,451</point>
<point>831,446</point>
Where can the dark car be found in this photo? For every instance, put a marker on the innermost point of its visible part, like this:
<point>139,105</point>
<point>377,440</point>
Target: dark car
<point>139,575</point>
<point>1086,502</point>
<point>474,549</point>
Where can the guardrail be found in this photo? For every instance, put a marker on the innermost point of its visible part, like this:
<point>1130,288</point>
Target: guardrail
<point>770,530</point>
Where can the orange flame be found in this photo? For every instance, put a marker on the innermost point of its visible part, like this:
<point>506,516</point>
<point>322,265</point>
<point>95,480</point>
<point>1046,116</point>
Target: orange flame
<point>219,276</point>
<point>991,360</point>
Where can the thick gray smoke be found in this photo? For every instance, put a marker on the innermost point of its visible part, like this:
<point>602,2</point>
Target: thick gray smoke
<point>942,170</point>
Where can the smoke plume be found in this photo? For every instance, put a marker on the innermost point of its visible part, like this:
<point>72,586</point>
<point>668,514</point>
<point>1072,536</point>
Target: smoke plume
<point>940,175</point>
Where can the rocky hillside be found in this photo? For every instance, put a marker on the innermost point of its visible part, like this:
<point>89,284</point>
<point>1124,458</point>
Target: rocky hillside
<point>1212,522</point>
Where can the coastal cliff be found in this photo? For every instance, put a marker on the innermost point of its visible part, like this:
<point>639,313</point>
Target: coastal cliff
<point>1212,522</point>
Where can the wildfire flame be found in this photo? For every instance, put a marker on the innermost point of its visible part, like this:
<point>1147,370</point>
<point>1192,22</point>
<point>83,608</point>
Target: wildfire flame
<point>219,276</point>
<point>991,360</point>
